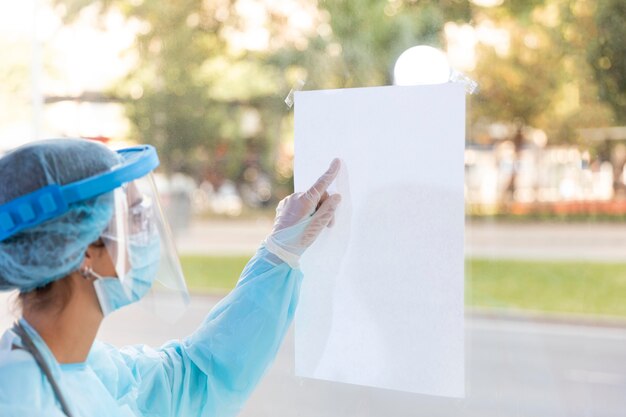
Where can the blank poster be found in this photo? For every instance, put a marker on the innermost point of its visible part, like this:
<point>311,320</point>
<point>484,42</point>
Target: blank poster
<point>382,298</point>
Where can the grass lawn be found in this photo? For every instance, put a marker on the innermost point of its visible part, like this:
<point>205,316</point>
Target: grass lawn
<point>565,287</point>
<point>212,274</point>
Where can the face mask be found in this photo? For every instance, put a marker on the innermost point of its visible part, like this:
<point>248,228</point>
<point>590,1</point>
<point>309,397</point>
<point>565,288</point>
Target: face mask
<point>144,259</point>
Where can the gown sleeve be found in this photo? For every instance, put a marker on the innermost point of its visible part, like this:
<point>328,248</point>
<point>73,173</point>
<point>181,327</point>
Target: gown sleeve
<point>213,371</point>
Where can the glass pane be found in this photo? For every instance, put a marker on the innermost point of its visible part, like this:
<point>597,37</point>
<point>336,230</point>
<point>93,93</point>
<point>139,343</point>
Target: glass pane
<point>206,83</point>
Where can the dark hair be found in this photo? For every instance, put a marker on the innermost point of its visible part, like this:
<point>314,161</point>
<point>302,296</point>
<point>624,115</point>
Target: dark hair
<point>52,297</point>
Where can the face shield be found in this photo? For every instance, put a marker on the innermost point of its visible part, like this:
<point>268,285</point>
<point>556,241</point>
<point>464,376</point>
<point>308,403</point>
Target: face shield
<point>140,244</point>
<point>137,238</point>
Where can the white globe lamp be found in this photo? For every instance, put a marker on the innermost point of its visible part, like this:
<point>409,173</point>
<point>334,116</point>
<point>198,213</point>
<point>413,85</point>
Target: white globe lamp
<point>421,65</point>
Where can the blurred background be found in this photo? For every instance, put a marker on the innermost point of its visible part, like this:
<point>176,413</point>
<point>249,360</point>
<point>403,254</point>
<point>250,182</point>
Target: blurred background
<point>205,81</point>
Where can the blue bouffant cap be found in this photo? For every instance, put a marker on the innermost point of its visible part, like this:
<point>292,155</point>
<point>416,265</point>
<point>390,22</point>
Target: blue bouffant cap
<point>52,250</point>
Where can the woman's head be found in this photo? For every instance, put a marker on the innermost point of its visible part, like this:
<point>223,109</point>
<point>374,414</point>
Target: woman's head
<point>53,250</point>
<point>53,297</point>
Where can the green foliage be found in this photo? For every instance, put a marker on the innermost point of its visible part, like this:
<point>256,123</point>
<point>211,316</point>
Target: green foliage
<point>544,79</point>
<point>607,54</point>
<point>191,91</point>
<point>366,39</point>
<point>518,85</point>
<point>582,105</point>
<point>194,91</point>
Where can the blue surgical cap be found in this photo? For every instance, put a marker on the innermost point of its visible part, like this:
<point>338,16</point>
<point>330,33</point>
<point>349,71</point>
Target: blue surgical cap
<point>52,250</point>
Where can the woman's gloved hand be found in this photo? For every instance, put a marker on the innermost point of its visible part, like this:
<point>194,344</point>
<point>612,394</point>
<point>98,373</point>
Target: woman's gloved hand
<point>301,217</point>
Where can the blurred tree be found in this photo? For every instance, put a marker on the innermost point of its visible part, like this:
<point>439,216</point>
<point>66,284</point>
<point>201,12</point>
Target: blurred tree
<point>208,99</point>
<point>607,57</point>
<point>519,83</point>
<point>607,54</point>
<point>581,101</point>
<point>191,92</point>
<point>358,42</point>
<point>591,34</point>
<point>542,78</point>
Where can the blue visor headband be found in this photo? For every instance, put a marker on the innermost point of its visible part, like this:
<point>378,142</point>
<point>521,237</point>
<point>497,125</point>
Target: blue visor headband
<point>54,200</point>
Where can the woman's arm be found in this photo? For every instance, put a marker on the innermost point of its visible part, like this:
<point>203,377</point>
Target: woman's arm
<point>214,371</point>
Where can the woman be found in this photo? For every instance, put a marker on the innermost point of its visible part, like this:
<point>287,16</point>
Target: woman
<point>81,235</point>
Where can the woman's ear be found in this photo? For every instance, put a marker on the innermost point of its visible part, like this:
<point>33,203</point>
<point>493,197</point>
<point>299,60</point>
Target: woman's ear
<point>91,255</point>
<point>86,265</point>
<point>98,260</point>
<point>94,249</point>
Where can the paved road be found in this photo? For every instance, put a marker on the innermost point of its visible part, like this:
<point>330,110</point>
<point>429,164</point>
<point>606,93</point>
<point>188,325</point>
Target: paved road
<point>223,237</point>
<point>606,242</point>
<point>515,368</point>
<point>603,242</point>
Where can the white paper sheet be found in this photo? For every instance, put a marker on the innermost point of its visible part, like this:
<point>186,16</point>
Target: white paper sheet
<point>382,299</point>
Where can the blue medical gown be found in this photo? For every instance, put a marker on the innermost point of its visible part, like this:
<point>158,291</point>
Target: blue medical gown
<point>210,373</point>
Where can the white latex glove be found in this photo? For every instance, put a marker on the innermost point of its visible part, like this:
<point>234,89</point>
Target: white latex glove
<point>301,217</point>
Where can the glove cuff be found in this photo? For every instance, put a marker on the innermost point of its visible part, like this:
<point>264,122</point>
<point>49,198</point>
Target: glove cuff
<point>289,258</point>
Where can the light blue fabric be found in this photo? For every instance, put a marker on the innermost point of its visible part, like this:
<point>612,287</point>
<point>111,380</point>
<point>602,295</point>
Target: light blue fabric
<point>111,294</point>
<point>210,373</point>
<point>51,250</point>
<point>145,256</point>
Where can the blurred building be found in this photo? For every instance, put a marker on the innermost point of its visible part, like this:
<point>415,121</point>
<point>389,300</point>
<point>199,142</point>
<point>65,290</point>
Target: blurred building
<point>544,175</point>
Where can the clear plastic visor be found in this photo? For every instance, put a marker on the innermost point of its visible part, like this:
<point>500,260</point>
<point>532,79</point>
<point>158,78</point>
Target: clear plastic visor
<point>140,244</point>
